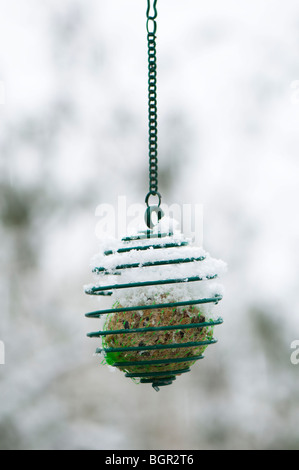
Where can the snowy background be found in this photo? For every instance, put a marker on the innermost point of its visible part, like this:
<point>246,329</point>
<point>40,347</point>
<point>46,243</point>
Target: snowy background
<point>73,135</point>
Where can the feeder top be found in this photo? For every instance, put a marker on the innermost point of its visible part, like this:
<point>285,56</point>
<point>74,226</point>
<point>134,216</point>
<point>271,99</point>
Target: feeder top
<point>154,263</point>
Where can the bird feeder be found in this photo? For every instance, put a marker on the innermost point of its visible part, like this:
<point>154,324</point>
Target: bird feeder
<point>158,325</point>
<point>162,289</point>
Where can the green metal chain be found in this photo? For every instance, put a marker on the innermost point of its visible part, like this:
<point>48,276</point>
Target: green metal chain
<point>151,27</point>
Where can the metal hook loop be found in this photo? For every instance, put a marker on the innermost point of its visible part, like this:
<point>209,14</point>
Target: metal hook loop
<point>154,16</point>
<point>148,215</point>
<point>153,193</point>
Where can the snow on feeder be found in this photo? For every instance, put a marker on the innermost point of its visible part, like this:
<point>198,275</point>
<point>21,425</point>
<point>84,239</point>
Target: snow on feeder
<point>162,292</point>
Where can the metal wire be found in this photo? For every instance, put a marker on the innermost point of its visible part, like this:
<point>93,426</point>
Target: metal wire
<point>151,27</point>
<point>165,375</point>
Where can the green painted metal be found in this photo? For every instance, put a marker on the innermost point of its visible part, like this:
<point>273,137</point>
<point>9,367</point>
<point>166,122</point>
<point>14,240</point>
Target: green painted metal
<point>148,216</point>
<point>161,374</point>
<point>160,282</point>
<point>145,235</point>
<point>155,380</point>
<point>151,27</point>
<point>157,362</point>
<point>99,313</point>
<point>98,334</point>
<point>145,247</point>
<point>154,347</point>
<point>149,7</point>
<point>148,264</point>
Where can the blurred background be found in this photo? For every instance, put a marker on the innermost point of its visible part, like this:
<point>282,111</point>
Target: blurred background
<point>73,135</point>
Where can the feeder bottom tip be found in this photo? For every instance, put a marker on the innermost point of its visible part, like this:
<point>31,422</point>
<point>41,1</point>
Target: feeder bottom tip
<point>155,387</point>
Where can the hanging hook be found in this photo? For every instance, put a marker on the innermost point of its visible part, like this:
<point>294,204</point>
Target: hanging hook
<point>149,213</point>
<point>153,193</point>
<point>151,25</point>
<point>154,16</point>
<point>153,209</point>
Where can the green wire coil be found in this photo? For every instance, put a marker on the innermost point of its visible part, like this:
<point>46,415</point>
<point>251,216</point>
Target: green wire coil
<point>163,377</point>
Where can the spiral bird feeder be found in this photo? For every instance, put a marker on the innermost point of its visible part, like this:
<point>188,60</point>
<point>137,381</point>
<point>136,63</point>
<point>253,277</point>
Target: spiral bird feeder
<point>162,289</point>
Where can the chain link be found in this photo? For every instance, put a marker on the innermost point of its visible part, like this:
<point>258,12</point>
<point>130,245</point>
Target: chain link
<point>151,27</point>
